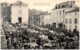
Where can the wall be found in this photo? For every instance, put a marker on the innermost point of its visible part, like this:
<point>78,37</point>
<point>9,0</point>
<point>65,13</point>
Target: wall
<point>72,25</point>
<point>47,19</point>
<point>15,13</point>
<point>58,16</point>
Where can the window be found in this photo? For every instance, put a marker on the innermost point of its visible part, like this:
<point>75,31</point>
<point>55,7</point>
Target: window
<point>56,7</point>
<point>66,20</point>
<point>70,27</point>
<point>76,27</point>
<point>70,21</point>
<point>63,11</point>
<point>75,21</point>
<point>60,12</point>
<point>65,27</point>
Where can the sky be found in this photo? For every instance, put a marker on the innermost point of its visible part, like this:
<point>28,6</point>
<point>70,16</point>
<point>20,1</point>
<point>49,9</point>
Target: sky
<point>44,5</point>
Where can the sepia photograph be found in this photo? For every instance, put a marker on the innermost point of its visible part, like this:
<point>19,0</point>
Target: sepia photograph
<point>39,24</point>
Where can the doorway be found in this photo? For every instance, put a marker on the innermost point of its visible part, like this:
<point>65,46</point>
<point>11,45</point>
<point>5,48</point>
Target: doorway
<point>20,19</point>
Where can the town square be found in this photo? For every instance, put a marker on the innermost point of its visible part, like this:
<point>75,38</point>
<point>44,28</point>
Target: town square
<point>25,28</point>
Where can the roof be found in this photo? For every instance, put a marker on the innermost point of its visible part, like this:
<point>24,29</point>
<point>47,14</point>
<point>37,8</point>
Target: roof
<point>73,10</point>
<point>66,4</point>
<point>19,3</point>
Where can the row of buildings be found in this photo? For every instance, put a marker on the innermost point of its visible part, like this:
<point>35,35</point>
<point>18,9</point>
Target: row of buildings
<point>64,15</point>
<point>18,12</point>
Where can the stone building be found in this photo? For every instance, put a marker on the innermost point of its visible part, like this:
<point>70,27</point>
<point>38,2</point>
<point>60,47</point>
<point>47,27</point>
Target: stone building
<point>19,12</point>
<point>58,13</point>
<point>72,19</point>
<point>64,15</point>
<point>14,13</point>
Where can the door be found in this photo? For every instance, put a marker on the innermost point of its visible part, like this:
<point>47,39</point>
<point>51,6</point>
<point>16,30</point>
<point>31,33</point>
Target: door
<point>20,19</point>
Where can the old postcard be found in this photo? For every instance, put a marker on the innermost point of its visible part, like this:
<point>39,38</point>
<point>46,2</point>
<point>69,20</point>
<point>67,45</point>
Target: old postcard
<point>39,24</point>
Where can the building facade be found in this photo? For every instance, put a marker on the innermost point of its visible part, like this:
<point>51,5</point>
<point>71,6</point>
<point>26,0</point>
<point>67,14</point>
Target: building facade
<point>72,19</point>
<point>64,15</point>
<point>5,12</point>
<point>0,17</point>
<point>19,12</point>
<point>58,12</point>
<point>47,19</point>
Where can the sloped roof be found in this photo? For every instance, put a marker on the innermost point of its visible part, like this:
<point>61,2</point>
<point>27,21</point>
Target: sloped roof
<point>73,10</point>
<point>66,4</point>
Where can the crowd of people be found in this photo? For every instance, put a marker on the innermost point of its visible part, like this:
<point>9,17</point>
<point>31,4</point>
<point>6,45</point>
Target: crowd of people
<point>39,38</point>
